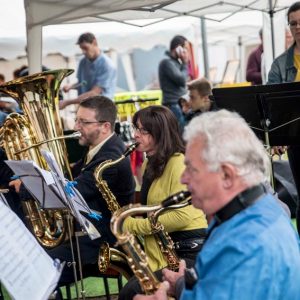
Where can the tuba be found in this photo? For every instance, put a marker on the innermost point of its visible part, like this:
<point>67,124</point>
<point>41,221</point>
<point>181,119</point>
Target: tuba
<point>137,258</point>
<point>110,257</point>
<point>23,137</point>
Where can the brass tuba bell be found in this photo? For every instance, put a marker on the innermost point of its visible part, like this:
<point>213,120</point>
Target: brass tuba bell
<point>23,137</point>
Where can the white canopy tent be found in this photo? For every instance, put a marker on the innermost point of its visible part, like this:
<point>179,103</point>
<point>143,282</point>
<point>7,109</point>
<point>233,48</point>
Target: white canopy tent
<point>46,12</point>
<point>231,25</point>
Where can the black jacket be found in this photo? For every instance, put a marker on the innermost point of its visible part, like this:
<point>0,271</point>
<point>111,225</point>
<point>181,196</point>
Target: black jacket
<point>119,178</point>
<point>191,115</point>
<point>120,181</point>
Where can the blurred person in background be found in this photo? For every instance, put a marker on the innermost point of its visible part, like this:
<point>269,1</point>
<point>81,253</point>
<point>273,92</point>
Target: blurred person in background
<point>96,72</point>
<point>173,75</point>
<point>253,71</point>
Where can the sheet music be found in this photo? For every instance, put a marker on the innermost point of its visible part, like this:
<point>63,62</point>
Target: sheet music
<point>87,225</point>
<point>27,272</point>
<point>37,181</point>
<point>73,198</point>
<point>49,189</point>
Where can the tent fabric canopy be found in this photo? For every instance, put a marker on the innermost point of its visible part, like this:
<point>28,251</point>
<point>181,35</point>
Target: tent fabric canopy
<point>40,13</point>
<point>47,12</point>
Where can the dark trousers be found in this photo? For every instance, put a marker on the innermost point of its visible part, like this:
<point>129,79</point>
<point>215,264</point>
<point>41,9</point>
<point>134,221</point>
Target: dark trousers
<point>294,159</point>
<point>133,287</point>
<point>175,108</point>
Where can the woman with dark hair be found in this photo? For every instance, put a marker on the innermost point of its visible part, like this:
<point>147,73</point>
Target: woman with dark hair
<point>157,132</point>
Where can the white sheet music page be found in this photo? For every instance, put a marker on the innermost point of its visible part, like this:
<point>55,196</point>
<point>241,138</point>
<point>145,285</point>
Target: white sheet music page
<point>36,181</point>
<point>27,272</point>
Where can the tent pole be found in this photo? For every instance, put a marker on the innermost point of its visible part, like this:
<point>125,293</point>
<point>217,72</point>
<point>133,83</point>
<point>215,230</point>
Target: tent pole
<point>34,49</point>
<point>271,13</point>
<point>241,71</point>
<point>204,48</point>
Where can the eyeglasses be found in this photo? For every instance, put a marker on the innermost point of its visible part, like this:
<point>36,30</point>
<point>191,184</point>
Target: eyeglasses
<point>84,123</point>
<point>141,130</point>
<point>294,24</point>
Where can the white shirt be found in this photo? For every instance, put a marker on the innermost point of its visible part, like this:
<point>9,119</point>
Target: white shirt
<point>95,150</point>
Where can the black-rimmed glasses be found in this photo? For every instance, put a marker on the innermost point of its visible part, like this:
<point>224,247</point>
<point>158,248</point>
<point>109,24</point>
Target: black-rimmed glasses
<point>83,122</point>
<point>141,130</point>
<point>294,24</point>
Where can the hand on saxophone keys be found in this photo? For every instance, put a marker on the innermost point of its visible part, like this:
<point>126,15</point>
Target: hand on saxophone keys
<point>160,294</point>
<point>167,287</point>
<point>171,277</point>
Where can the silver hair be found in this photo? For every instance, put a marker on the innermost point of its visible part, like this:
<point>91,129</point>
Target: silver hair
<point>229,139</point>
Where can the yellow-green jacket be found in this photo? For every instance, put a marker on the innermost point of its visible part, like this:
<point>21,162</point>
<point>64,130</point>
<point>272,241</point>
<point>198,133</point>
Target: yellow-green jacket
<point>186,218</point>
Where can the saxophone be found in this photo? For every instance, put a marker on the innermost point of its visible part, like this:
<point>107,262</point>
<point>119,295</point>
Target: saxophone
<point>162,237</point>
<point>137,258</point>
<point>110,257</point>
<point>23,136</point>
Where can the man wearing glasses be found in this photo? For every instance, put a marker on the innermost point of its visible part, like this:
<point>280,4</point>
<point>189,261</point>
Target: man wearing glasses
<point>95,120</point>
<point>286,68</point>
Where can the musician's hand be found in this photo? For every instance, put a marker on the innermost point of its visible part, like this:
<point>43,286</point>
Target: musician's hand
<point>172,277</point>
<point>16,184</point>
<point>63,104</point>
<point>184,56</point>
<point>67,87</point>
<point>160,294</point>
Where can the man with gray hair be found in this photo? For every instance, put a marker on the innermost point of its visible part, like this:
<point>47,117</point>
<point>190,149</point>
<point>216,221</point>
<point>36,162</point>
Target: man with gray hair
<point>252,249</point>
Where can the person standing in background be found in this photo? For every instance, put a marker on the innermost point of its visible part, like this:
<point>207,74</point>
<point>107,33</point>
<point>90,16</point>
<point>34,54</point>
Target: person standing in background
<point>96,73</point>
<point>289,40</point>
<point>253,73</point>
<point>173,75</point>
<point>286,68</point>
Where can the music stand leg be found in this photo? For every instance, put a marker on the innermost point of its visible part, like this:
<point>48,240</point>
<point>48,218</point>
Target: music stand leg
<point>269,150</point>
<point>82,292</point>
<point>73,255</point>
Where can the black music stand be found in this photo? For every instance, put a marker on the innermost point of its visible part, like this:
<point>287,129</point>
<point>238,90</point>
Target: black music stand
<point>272,111</point>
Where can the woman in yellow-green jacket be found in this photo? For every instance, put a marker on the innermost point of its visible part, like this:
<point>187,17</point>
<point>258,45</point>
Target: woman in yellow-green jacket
<point>157,132</point>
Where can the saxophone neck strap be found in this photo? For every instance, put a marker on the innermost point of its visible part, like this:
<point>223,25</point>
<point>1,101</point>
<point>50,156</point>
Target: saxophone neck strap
<point>236,205</point>
<point>239,203</point>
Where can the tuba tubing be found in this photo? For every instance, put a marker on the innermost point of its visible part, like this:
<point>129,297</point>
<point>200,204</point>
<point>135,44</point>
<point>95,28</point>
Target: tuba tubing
<point>23,136</point>
<point>74,135</point>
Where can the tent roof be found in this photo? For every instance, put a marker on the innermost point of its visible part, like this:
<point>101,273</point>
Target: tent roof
<point>62,38</point>
<point>51,12</point>
<point>47,12</point>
